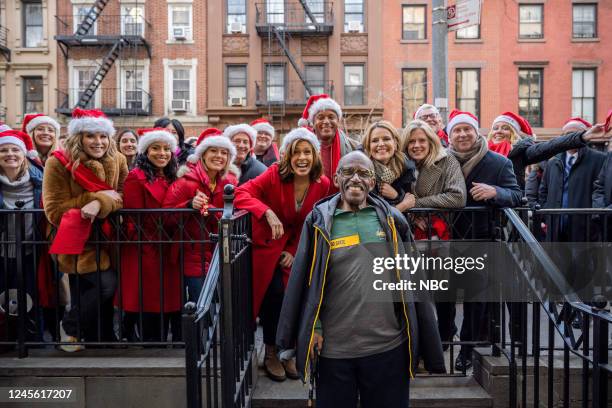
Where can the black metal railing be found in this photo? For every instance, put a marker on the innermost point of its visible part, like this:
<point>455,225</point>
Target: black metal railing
<point>105,27</point>
<point>289,92</point>
<point>292,17</point>
<point>222,321</point>
<point>4,46</point>
<point>112,101</point>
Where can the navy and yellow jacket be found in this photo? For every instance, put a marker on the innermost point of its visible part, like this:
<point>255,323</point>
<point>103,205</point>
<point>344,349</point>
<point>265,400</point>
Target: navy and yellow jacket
<point>306,288</point>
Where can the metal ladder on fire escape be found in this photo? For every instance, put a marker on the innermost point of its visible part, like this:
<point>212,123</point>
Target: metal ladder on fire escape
<point>109,58</point>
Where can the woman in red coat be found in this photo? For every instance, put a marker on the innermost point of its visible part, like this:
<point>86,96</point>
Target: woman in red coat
<point>279,200</point>
<point>199,188</point>
<point>145,187</point>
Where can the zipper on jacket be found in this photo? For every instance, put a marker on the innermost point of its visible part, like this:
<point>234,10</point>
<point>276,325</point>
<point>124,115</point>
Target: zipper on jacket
<point>314,255</point>
<point>395,249</point>
<point>307,363</point>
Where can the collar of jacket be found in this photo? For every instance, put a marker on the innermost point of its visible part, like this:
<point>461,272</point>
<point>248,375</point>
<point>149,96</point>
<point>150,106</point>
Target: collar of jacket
<point>561,157</point>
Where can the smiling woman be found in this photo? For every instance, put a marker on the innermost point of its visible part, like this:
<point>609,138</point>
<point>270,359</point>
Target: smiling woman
<point>44,132</point>
<point>279,200</point>
<point>127,143</point>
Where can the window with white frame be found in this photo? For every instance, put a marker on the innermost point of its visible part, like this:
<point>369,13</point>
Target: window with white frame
<point>275,11</point>
<point>79,12</point>
<point>180,22</point>
<point>317,8</point>
<point>275,83</point>
<point>134,87</point>
<point>353,16</point>
<point>81,78</point>
<point>32,24</point>
<point>354,84</point>
<point>236,85</point>
<point>132,20</point>
<point>181,91</point>
<point>236,16</point>
<point>583,94</point>
<point>315,78</point>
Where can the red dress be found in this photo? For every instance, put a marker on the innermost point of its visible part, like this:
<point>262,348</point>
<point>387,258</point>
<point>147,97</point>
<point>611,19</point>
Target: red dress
<point>140,193</point>
<point>264,192</point>
<point>196,256</point>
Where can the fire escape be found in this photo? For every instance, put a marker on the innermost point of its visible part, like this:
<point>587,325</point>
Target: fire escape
<point>281,24</point>
<point>117,37</point>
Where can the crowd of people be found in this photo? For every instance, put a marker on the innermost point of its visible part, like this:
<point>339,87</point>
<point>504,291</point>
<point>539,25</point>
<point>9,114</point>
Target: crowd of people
<point>312,201</point>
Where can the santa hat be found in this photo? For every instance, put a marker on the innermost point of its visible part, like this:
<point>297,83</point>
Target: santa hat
<point>4,127</point>
<point>424,107</point>
<point>456,117</point>
<point>21,139</point>
<point>211,137</point>
<point>300,133</point>
<point>153,135</point>
<point>92,121</point>
<point>517,122</point>
<point>262,125</point>
<point>32,120</point>
<point>316,104</point>
<point>233,130</point>
<point>581,123</point>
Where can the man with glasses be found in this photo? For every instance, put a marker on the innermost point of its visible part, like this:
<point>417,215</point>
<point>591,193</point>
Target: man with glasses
<point>366,348</point>
<point>431,115</point>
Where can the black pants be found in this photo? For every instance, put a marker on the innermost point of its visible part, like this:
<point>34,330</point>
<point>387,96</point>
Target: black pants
<point>269,313</point>
<point>446,312</point>
<point>381,380</point>
<point>151,326</point>
<point>85,293</point>
<point>474,326</point>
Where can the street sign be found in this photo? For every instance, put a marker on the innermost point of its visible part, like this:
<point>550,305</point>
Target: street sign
<point>464,13</point>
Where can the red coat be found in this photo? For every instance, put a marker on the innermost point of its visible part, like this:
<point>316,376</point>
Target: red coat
<point>268,192</point>
<point>196,256</point>
<point>139,193</point>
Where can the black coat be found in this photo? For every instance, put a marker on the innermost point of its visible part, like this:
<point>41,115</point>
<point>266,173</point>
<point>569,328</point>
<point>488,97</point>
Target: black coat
<point>527,151</point>
<point>582,175</point>
<point>495,170</point>
<point>250,168</point>
<point>532,185</point>
<point>403,184</point>
<point>602,188</point>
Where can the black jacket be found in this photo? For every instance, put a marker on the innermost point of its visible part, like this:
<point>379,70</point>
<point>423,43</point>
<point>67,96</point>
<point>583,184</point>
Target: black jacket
<point>582,175</point>
<point>602,188</point>
<point>495,170</point>
<point>250,168</point>
<point>305,290</point>
<point>532,185</point>
<point>527,151</point>
<point>403,184</point>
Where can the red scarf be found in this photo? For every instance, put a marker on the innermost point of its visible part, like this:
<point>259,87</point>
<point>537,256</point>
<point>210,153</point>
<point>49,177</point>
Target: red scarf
<point>443,136</point>
<point>82,175</point>
<point>502,148</point>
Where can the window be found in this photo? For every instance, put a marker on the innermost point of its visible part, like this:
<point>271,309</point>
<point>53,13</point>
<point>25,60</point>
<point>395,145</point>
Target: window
<point>236,85</point>
<point>180,84</point>
<point>530,96</point>
<point>32,24</point>
<point>132,88</point>
<point>236,16</point>
<point>468,33</point>
<point>414,92</point>
<point>132,20</point>
<point>583,94</point>
<point>468,91</point>
<point>414,23</point>
<point>315,78</point>
<point>79,13</point>
<point>317,8</point>
<point>275,83</point>
<point>531,21</point>
<point>353,85</point>
<point>82,78</point>
<point>584,21</point>
<point>180,22</point>
<point>353,16</point>
<point>275,11</point>
<point>33,94</point>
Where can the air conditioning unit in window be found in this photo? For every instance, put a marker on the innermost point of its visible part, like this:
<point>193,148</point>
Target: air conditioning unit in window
<point>179,105</point>
<point>354,27</point>
<point>236,27</point>
<point>236,102</point>
<point>179,33</point>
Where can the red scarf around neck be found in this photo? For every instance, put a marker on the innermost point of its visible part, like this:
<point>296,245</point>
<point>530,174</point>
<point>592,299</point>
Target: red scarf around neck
<point>502,148</point>
<point>82,174</point>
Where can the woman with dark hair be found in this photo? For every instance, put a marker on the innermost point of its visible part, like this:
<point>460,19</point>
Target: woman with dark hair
<point>146,187</point>
<point>175,127</point>
<point>279,200</point>
<point>127,142</point>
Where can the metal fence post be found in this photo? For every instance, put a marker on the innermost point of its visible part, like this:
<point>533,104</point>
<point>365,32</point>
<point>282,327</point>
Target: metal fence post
<point>600,357</point>
<point>22,308</point>
<point>190,336</point>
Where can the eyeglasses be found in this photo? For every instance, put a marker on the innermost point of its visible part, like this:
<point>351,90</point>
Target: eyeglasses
<point>361,173</point>
<point>430,116</point>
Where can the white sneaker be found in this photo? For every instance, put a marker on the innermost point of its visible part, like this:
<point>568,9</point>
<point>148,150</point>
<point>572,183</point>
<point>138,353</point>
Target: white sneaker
<point>64,338</point>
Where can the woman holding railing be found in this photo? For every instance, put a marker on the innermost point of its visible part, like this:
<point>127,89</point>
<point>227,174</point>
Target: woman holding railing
<point>83,183</point>
<point>279,200</point>
<point>20,189</point>
<point>127,144</point>
<point>141,267</point>
<point>200,187</point>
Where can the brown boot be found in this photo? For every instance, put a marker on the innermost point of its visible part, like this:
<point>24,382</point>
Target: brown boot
<point>273,366</point>
<point>290,369</point>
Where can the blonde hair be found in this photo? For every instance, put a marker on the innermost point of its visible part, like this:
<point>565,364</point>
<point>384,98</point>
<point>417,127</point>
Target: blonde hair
<point>228,163</point>
<point>397,161</point>
<point>514,136</point>
<point>435,146</point>
<point>23,168</point>
<point>73,147</point>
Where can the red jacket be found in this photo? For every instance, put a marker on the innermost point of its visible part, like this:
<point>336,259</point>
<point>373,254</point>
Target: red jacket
<point>139,193</point>
<point>196,256</point>
<point>264,192</point>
